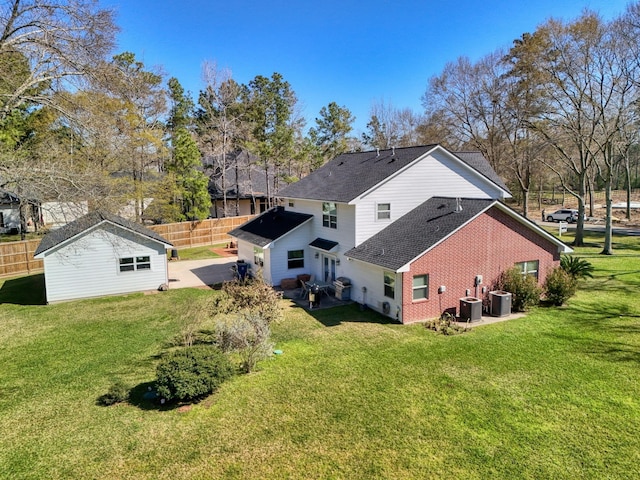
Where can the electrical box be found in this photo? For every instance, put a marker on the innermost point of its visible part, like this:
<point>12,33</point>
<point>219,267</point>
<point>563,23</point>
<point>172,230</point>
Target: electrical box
<point>478,279</point>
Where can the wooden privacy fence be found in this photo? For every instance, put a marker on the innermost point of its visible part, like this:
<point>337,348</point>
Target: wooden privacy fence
<point>197,234</point>
<point>16,258</point>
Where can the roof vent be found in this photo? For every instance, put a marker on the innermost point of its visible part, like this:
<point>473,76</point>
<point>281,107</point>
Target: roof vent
<point>458,205</point>
<point>377,152</point>
<point>393,150</point>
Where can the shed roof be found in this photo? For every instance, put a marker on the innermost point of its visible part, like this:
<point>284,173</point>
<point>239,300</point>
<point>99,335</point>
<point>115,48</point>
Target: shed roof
<point>72,229</point>
<point>269,226</point>
<point>351,174</point>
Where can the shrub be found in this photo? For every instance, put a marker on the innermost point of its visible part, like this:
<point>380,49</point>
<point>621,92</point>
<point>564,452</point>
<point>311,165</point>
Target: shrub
<point>445,325</point>
<point>192,372</point>
<point>118,393</point>
<point>559,286</point>
<point>524,289</point>
<point>247,335</point>
<point>576,267</point>
<point>253,296</point>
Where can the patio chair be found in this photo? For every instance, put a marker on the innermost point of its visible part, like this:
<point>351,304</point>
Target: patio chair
<point>304,290</point>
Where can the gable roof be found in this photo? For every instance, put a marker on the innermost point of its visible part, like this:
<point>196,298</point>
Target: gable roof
<point>426,226</point>
<point>251,180</point>
<point>271,225</point>
<point>72,229</point>
<point>351,174</point>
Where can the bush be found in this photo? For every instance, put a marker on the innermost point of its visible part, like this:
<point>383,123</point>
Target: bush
<point>247,335</point>
<point>576,267</point>
<point>559,286</point>
<point>524,289</point>
<point>445,325</point>
<point>254,297</point>
<point>118,393</point>
<point>192,372</point>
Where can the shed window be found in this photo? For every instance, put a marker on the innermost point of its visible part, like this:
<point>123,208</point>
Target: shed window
<point>129,264</point>
<point>329,215</point>
<point>258,256</point>
<point>529,268</point>
<point>383,211</point>
<point>295,259</point>
<point>389,284</point>
<point>421,287</point>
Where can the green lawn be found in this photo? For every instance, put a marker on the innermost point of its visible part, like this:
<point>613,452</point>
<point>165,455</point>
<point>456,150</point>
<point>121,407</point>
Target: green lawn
<point>198,253</point>
<point>555,394</point>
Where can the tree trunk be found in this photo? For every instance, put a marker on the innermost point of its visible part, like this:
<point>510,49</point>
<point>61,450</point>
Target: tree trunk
<point>627,172</point>
<point>607,249</point>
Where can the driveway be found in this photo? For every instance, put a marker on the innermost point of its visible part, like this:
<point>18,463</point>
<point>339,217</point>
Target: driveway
<point>200,273</point>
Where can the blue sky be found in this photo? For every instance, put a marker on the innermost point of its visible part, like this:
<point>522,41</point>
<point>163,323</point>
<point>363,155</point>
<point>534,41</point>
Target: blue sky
<point>349,52</point>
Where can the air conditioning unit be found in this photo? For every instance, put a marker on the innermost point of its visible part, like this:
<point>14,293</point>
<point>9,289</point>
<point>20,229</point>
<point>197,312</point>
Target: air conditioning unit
<point>500,303</point>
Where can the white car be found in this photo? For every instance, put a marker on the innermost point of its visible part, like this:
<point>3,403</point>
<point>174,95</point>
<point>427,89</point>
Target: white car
<point>569,215</point>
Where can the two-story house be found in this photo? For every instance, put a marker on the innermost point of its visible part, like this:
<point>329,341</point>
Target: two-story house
<point>414,229</point>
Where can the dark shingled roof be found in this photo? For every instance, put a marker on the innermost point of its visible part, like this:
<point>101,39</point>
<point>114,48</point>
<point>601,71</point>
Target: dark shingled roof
<point>70,230</point>
<point>269,226</point>
<point>349,175</point>
<point>323,244</point>
<point>417,231</point>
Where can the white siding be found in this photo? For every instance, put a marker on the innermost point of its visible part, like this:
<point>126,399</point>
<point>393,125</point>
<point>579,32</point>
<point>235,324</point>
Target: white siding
<point>10,217</point>
<point>435,175</point>
<point>297,239</point>
<point>89,265</point>
<point>344,234</point>
<point>56,214</point>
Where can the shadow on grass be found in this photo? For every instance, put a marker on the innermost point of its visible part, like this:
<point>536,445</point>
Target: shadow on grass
<point>352,313</point>
<point>27,290</point>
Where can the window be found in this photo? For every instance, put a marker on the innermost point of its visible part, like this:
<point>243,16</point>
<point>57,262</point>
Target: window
<point>389,284</point>
<point>329,215</point>
<point>258,257</point>
<point>295,259</point>
<point>292,204</point>
<point>421,287</point>
<point>529,268</point>
<point>129,264</point>
<point>383,211</point>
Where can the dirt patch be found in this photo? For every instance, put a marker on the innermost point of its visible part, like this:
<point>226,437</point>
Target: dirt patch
<point>225,252</point>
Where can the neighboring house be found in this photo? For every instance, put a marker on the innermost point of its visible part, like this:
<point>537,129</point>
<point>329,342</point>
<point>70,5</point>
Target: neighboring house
<point>101,254</point>
<point>10,205</point>
<point>244,182</point>
<point>403,225</point>
<point>57,214</point>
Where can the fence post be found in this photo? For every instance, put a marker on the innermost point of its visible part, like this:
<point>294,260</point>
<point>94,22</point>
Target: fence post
<point>26,254</point>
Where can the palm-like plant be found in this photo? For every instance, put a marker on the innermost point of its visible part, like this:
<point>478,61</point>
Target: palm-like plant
<point>576,267</point>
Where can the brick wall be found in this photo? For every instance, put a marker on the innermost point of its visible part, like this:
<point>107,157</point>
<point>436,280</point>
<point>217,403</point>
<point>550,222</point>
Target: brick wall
<point>488,245</point>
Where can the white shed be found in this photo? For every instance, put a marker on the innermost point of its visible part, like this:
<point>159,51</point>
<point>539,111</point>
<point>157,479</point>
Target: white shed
<point>101,254</point>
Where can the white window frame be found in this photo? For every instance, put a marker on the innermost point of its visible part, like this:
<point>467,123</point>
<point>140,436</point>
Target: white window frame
<point>424,287</point>
<point>329,219</point>
<point>135,262</point>
<point>258,257</point>
<point>389,285</point>
<point>527,268</point>
<point>295,259</point>
<point>383,214</point>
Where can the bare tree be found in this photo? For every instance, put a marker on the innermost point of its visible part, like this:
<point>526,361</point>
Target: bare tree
<point>60,40</point>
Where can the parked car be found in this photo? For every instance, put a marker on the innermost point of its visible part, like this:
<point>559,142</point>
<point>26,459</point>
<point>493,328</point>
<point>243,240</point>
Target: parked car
<point>569,215</point>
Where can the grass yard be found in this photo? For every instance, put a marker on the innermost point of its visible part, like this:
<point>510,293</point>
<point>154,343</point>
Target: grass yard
<point>555,394</point>
<point>198,253</point>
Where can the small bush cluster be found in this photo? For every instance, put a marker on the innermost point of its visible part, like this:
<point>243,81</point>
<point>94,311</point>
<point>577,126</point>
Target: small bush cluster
<point>247,335</point>
<point>192,372</point>
<point>446,325</point>
<point>559,286</point>
<point>118,393</point>
<point>524,289</point>
<point>253,296</point>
